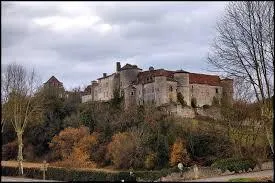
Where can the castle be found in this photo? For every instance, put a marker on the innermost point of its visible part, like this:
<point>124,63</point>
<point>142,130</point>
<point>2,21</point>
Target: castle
<point>159,87</point>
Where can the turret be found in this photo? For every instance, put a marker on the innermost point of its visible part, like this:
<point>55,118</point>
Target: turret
<point>227,88</point>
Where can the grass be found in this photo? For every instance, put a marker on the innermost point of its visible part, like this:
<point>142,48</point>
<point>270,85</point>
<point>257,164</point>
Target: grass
<point>255,179</point>
<point>242,180</point>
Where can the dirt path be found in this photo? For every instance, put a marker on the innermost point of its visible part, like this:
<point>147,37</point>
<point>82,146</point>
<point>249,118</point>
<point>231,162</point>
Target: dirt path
<point>265,173</point>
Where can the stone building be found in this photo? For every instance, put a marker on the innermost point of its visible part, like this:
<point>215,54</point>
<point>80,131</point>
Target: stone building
<point>159,87</point>
<point>53,82</point>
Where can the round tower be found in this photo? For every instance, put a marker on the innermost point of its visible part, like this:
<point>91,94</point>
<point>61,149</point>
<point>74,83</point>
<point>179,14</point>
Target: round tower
<point>182,78</point>
<point>128,74</point>
<point>227,90</point>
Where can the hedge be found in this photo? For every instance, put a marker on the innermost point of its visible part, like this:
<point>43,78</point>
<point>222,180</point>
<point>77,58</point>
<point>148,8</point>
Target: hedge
<point>64,174</point>
<point>155,174</point>
<point>234,164</point>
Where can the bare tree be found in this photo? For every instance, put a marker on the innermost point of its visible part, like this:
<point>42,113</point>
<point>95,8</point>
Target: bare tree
<point>244,50</point>
<point>244,47</point>
<point>20,102</point>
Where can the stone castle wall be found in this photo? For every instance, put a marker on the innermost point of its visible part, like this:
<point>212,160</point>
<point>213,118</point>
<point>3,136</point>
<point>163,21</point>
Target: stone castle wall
<point>160,87</point>
<point>204,93</point>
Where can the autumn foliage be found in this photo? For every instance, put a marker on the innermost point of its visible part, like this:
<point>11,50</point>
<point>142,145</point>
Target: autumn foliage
<point>121,150</point>
<point>72,146</point>
<point>179,153</point>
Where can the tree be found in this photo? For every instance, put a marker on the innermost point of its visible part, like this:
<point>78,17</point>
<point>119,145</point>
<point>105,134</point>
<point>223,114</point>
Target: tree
<point>21,104</point>
<point>244,47</point>
<point>121,150</point>
<point>244,50</point>
<point>63,143</point>
<point>179,153</point>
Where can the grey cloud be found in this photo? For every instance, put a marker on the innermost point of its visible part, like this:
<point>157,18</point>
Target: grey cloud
<point>170,35</point>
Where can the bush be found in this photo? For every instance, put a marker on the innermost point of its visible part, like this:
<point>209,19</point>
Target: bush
<point>62,174</point>
<point>121,150</point>
<point>179,153</point>
<point>234,164</point>
<point>154,175</point>
<point>150,161</point>
<point>9,150</point>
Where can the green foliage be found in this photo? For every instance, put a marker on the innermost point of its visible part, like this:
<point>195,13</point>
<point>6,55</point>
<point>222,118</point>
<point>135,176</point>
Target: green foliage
<point>181,99</point>
<point>234,164</point>
<point>63,174</point>
<point>194,102</point>
<point>207,145</point>
<point>156,174</point>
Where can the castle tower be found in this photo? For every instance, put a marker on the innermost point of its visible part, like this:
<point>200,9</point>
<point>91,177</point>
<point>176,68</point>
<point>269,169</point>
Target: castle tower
<point>182,77</point>
<point>227,88</point>
<point>128,74</point>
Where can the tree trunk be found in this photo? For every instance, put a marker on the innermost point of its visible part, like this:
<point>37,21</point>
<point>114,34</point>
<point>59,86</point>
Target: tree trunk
<point>20,152</point>
<point>269,141</point>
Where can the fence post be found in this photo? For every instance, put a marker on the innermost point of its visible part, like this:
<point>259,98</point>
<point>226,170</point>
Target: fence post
<point>196,172</point>
<point>44,169</point>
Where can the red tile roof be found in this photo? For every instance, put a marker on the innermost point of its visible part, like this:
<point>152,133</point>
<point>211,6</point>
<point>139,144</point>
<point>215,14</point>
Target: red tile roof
<point>212,80</point>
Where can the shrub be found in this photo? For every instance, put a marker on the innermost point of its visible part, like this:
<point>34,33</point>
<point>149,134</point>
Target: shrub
<point>63,174</point>
<point>150,161</point>
<point>179,153</point>
<point>63,143</point>
<point>234,164</point>
<point>9,150</point>
<point>154,175</point>
<point>194,102</point>
<point>121,150</point>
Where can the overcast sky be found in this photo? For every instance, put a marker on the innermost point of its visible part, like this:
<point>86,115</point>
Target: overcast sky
<point>78,41</point>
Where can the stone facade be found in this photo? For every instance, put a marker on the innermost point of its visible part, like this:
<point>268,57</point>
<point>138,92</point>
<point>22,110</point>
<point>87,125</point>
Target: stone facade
<point>159,87</point>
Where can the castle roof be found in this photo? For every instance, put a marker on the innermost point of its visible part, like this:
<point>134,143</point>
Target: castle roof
<point>53,80</point>
<point>195,78</point>
<point>129,66</point>
<point>106,76</point>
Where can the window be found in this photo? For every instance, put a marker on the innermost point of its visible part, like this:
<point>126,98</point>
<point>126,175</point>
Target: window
<point>132,93</point>
<point>192,89</point>
<point>152,90</point>
<point>217,91</point>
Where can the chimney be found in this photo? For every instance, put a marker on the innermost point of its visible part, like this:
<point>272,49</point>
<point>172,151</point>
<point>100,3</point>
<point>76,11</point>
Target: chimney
<point>118,67</point>
<point>104,75</point>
